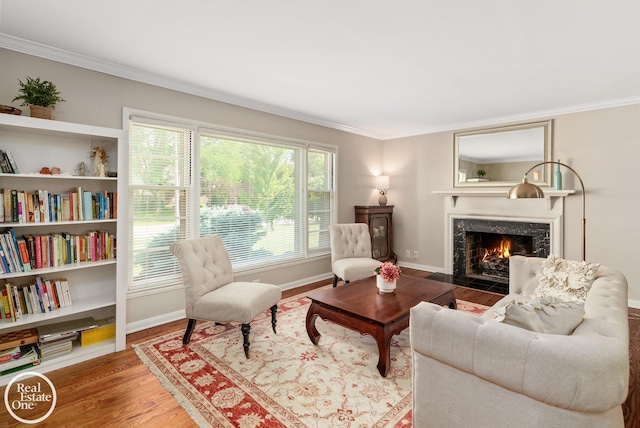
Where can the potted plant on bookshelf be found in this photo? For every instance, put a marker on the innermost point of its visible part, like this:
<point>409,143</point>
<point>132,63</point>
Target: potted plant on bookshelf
<point>40,95</point>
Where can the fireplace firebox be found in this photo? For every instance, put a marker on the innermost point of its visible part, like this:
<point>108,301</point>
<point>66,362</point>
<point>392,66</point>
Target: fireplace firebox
<point>482,247</point>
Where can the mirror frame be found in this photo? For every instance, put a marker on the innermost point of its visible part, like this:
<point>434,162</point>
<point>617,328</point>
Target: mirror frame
<point>546,179</point>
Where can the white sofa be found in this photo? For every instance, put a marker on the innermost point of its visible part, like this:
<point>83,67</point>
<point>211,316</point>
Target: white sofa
<point>471,371</point>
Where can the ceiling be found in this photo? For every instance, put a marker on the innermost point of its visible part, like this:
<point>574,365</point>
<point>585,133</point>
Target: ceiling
<point>379,68</point>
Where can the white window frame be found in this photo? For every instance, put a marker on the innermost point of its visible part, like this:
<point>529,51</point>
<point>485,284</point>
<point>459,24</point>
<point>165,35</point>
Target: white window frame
<point>302,236</point>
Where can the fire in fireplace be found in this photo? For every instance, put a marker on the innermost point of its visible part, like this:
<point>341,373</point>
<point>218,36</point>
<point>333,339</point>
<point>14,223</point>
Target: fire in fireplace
<point>482,247</point>
<point>488,254</point>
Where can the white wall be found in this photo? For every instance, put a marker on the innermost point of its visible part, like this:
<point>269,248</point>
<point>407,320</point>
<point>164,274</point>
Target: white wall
<point>602,145</point>
<point>98,99</point>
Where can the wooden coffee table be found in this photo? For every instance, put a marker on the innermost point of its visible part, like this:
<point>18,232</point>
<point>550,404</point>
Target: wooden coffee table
<point>361,307</point>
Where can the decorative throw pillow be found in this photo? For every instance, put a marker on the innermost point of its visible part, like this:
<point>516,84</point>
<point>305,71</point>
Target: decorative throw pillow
<point>547,315</point>
<point>565,279</point>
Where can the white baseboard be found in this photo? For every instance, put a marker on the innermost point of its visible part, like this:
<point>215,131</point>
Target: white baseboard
<point>305,281</point>
<point>155,321</point>
<point>634,304</point>
<point>421,267</point>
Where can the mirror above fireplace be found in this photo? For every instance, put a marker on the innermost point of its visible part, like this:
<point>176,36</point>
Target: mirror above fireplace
<point>500,156</point>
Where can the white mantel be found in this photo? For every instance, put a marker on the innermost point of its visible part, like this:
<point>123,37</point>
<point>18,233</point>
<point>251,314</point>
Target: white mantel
<point>494,205</point>
<point>549,195</point>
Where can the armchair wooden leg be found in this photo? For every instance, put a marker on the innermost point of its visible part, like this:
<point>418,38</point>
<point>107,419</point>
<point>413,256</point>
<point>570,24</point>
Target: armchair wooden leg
<point>274,309</point>
<point>187,334</point>
<point>335,281</point>
<point>246,329</point>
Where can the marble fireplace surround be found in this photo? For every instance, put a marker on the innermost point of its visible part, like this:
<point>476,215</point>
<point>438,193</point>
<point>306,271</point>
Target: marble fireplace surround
<point>493,205</point>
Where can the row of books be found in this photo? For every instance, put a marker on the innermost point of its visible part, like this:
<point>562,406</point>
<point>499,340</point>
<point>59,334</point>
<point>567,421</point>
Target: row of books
<point>7,163</point>
<point>41,206</point>
<point>38,296</point>
<point>28,252</point>
<point>20,358</point>
<point>20,350</point>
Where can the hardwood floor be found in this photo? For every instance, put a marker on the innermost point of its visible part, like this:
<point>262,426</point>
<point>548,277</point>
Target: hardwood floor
<point>118,390</point>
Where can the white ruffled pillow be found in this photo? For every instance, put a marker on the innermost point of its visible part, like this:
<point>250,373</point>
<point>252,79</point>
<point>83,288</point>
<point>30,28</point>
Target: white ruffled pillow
<point>568,280</point>
<point>547,315</point>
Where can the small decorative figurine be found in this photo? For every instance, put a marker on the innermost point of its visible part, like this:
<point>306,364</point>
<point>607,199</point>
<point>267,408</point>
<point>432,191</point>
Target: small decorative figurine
<point>81,169</point>
<point>99,156</point>
<point>55,170</point>
<point>45,170</point>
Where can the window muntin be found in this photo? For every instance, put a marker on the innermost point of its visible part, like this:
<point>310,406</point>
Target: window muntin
<point>270,199</point>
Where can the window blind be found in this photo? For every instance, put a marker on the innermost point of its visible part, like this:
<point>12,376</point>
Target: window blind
<point>270,199</point>
<point>160,191</point>
<point>248,197</point>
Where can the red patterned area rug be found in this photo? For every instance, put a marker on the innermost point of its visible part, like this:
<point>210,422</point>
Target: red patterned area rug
<point>287,381</point>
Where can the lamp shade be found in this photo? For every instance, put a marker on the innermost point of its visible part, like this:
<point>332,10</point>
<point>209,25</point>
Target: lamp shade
<point>382,182</point>
<point>525,190</point>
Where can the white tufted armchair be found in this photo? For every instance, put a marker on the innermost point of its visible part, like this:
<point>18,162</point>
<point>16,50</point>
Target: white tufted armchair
<point>211,293</point>
<point>351,252</point>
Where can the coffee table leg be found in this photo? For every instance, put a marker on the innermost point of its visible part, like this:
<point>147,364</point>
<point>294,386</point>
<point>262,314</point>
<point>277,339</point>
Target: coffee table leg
<point>383,340</point>
<point>313,333</point>
<point>453,303</point>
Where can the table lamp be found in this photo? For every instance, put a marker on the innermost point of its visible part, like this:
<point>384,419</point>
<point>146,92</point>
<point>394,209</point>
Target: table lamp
<point>382,184</point>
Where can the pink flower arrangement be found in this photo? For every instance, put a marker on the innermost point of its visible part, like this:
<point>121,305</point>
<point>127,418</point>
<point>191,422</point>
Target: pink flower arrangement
<point>388,271</point>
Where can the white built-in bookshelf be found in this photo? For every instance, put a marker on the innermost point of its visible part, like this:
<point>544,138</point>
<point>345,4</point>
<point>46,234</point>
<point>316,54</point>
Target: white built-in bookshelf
<point>98,288</point>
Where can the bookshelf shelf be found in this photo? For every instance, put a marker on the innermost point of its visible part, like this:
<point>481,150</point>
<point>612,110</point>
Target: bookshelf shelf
<point>98,288</point>
<point>78,355</point>
<point>79,306</point>
<point>57,269</point>
<point>57,177</point>
<point>57,223</point>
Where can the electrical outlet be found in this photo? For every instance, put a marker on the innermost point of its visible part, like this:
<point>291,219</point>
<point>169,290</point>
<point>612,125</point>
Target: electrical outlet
<point>415,254</point>
<point>407,254</point>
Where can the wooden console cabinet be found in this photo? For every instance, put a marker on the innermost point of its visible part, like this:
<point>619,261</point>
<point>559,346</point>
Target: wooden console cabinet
<point>379,219</point>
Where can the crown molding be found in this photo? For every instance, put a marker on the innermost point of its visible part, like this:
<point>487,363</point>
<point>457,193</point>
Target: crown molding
<point>525,117</point>
<point>60,55</point>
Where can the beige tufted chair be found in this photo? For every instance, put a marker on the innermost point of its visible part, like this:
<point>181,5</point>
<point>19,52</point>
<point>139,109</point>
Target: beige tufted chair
<point>210,292</point>
<point>351,252</point>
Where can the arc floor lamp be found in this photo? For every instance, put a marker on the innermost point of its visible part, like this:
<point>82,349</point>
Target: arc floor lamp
<point>530,190</point>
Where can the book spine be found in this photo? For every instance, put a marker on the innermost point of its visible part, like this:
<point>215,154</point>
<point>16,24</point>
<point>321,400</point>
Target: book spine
<point>72,206</point>
<point>7,206</point>
<point>4,163</point>
<point>5,304</point>
<point>14,206</point>
<point>87,204</point>
<point>15,252</point>
<point>31,250</point>
<point>16,301</point>
<point>30,208</point>
<point>37,308</point>
<point>24,255</point>
<point>12,162</point>
<point>12,309</point>
<point>3,262</point>
<point>66,209</point>
<point>53,299</point>
<point>78,194</point>
<point>39,287</point>
<point>59,207</point>
<point>67,292</point>
<point>24,297</point>
<point>4,244</point>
